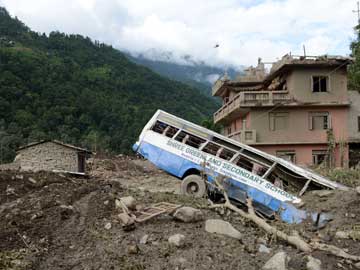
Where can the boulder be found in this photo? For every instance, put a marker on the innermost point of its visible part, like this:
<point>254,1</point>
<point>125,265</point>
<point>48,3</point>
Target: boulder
<point>220,226</point>
<point>342,235</point>
<point>177,240</point>
<point>128,223</point>
<point>128,201</point>
<point>276,262</point>
<point>264,249</point>
<point>358,190</point>
<point>188,214</point>
<point>313,263</point>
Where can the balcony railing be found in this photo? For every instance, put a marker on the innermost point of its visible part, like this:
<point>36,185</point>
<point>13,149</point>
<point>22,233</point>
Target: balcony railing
<point>246,99</point>
<point>244,136</point>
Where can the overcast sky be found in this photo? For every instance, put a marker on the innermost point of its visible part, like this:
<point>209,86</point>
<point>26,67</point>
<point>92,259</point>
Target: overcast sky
<point>244,29</point>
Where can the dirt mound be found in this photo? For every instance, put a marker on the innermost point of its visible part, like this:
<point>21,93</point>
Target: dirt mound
<point>55,221</point>
<point>49,221</point>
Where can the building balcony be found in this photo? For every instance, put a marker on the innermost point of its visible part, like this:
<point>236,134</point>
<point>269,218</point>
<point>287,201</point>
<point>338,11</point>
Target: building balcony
<point>242,102</point>
<point>244,136</point>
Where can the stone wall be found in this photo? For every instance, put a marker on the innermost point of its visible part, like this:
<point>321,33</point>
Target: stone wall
<point>48,156</point>
<point>10,166</point>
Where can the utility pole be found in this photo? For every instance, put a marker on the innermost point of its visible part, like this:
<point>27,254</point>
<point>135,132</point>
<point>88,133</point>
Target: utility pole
<point>358,12</point>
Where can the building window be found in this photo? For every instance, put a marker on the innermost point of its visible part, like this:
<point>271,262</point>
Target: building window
<point>319,156</point>
<point>288,155</point>
<point>248,135</point>
<point>278,120</point>
<point>320,83</point>
<point>319,121</point>
<point>228,130</point>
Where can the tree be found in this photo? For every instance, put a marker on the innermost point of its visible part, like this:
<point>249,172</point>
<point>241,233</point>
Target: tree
<point>354,69</point>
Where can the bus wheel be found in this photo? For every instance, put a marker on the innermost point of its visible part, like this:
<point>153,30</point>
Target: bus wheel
<point>193,185</point>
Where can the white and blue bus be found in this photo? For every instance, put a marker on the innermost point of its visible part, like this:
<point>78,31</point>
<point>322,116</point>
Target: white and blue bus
<point>188,151</point>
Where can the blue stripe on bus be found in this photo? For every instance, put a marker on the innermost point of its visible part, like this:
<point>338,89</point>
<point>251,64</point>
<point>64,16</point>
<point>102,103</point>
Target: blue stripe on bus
<point>178,166</point>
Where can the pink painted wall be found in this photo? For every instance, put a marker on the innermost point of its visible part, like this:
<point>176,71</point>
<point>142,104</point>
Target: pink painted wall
<point>298,125</point>
<point>237,124</point>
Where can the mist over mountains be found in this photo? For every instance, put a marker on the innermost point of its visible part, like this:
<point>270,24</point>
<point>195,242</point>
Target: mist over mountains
<point>183,68</point>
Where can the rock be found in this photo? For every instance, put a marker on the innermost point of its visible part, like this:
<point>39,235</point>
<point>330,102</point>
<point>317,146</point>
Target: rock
<point>276,262</point>
<point>323,193</point>
<point>358,190</point>
<point>354,235</point>
<point>264,249</point>
<point>37,215</point>
<point>32,180</point>
<point>177,240</point>
<point>19,176</point>
<point>107,226</point>
<point>133,249</point>
<point>222,227</point>
<point>188,214</point>
<point>357,265</point>
<point>342,235</point>
<point>10,191</point>
<point>313,263</point>
<point>128,223</point>
<point>106,202</point>
<point>128,201</point>
<point>144,239</point>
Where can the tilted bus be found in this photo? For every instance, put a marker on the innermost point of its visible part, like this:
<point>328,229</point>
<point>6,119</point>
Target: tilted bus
<point>188,151</point>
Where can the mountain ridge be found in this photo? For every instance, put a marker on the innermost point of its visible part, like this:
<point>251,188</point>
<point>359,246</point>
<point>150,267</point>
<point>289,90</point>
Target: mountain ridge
<point>79,91</point>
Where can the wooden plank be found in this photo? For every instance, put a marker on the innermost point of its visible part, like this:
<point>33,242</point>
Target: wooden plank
<point>154,211</point>
<point>302,191</point>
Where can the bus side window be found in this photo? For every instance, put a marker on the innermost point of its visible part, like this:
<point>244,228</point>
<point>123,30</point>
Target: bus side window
<point>211,148</point>
<point>180,137</point>
<point>189,139</point>
<point>194,141</point>
<point>243,162</point>
<point>226,154</point>
<point>171,131</point>
<point>159,127</point>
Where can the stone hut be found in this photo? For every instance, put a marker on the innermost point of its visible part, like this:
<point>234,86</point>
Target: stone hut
<point>52,156</point>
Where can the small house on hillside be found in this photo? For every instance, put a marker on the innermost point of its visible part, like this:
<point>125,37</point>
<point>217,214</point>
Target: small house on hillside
<point>52,156</point>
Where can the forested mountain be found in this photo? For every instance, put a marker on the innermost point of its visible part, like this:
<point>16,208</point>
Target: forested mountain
<point>70,88</point>
<point>193,73</point>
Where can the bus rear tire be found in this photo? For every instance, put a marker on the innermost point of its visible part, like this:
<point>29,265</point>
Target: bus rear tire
<point>193,185</point>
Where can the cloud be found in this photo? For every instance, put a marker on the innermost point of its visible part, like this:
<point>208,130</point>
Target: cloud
<point>244,29</point>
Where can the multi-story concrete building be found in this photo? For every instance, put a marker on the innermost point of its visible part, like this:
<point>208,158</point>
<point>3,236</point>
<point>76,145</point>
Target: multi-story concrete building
<point>299,110</point>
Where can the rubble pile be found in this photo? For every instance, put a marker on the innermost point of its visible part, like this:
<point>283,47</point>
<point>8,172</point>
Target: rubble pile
<point>55,221</point>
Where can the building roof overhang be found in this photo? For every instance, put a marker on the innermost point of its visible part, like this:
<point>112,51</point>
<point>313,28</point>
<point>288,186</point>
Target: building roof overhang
<point>56,142</point>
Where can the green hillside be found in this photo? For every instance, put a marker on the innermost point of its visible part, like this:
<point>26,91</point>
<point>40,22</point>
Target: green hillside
<point>70,88</point>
